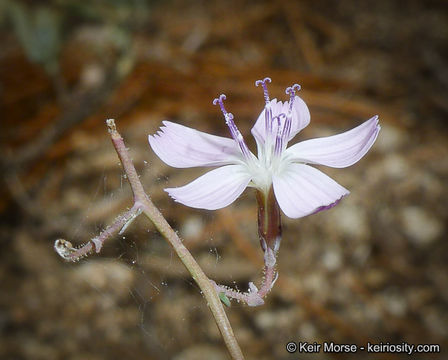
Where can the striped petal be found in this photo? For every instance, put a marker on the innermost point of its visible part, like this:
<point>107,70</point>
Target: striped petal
<point>213,190</point>
<point>300,118</point>
<point>337,151</point>
<point>303,190</point>
<point>182,147</point>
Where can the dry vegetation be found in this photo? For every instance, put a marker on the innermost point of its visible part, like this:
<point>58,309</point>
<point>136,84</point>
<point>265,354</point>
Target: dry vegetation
<point>374,268</point>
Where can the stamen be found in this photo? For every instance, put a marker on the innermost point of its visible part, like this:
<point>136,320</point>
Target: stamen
<point>265,87</point>
<point>279,138</point>
<point>268,120</point>
<point>221,105</point>
<point>236,134</point>
<point>291,90</point>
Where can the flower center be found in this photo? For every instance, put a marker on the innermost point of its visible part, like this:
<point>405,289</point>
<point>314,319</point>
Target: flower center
<point>277,127</point>
<point>277,132</point>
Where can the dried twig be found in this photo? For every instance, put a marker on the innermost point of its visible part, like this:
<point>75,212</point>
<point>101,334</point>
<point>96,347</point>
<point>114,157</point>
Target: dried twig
<point>143,204</point>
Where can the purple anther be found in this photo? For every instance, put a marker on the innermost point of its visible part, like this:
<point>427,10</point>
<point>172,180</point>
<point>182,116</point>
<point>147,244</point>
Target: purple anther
<point>291,90</point>
<point>265,87</point>
<point>221,104</point>
<point>236,134</point>
<point>228,116</point>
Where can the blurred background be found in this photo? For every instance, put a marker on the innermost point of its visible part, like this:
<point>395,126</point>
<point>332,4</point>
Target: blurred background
<point>374,268</point>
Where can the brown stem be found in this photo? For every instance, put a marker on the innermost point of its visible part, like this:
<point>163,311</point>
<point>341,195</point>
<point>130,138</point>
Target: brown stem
<point>143,204</point>
<point>269,221</point>
<point>270,233</point>
<point>66,250</point>
<point>254,297</point>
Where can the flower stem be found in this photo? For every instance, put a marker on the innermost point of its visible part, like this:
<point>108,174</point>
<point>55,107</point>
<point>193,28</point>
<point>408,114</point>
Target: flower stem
<point>269,221</point>
<point>143,204</point>
<point>270,233</point>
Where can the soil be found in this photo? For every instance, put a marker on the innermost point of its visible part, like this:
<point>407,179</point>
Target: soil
<point>372,269</point>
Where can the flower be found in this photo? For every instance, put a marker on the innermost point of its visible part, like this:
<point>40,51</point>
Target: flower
<point>299,188</point>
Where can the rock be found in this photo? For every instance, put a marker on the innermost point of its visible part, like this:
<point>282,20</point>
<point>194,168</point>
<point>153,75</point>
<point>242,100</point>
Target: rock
<point>395,302</point>
<point>332,258</point>
<point>395,167</point>
<point>105,275</point>
<point>421,227</point>
<point>351,221</point>
<point>307,331</point>
<point>275,320</point>
<point>192,227</point>
<point>391,138</point>
<point>435,321</point>
<point>201,352</point>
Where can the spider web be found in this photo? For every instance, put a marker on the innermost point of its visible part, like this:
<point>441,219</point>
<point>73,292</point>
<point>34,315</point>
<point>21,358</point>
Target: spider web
<point>160,294</point>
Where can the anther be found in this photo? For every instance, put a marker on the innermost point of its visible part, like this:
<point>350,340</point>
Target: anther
<point>219,101</point>
<point>236,134</point>
<point>291,90</point>
<point>265,87</point>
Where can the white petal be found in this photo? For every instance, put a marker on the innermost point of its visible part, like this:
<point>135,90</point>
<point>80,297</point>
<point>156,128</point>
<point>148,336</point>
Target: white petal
<point>337,151</point>
<point>259,129</point>
<point>303,190</point>
<point>182,147</point>
<point>300,118</point>
<point>213,190</point>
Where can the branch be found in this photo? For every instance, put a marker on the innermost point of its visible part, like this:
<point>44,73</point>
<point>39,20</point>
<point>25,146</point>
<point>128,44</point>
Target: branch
<point>253,297</point>
<point>143,204</point>
<point>66,250</point>
<point>270,234</point>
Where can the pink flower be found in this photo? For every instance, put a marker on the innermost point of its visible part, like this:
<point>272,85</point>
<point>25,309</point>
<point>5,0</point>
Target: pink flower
<point>299,188</point>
